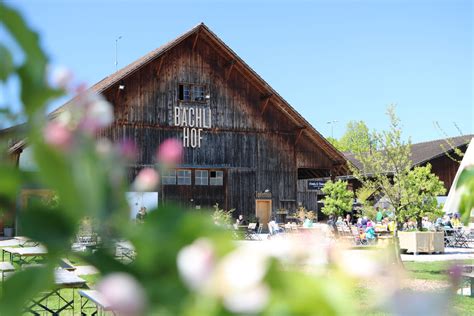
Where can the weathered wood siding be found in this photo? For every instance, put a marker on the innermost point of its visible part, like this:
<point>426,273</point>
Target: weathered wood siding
<point>256,145</point>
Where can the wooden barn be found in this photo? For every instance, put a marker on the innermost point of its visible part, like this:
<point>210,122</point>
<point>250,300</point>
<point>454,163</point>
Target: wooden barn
<point>245,147</point>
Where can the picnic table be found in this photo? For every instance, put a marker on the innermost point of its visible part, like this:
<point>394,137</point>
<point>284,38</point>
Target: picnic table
<point>63,281</point>
<point>125,250</point>
<point>26,242</point>
<point>24,254</point>
<point>470,278</point>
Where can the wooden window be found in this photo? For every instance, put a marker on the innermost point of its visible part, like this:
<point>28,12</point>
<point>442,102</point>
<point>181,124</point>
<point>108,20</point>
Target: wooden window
<point>184,177</point>
<point>199,92</point>
<point>216,178</point>
<point>184,93</point>
<point>201,177</point>
<point>168,177</point>
<point>191,92</point>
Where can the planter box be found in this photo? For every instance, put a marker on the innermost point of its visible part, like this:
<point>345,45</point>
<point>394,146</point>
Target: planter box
<point>417,242</point>
<point>8,231</point>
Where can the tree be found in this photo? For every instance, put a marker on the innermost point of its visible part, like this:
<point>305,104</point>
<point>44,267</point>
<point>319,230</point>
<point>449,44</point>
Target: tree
<point>338,198</point>
<point>419,198</point>
<point>357,138</point>
<point>385,171</point>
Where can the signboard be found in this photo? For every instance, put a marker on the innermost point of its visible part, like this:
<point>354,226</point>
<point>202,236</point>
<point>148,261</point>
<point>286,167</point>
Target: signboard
<point>193,120</point>
<point>263,195</point>
<point>315,184</point>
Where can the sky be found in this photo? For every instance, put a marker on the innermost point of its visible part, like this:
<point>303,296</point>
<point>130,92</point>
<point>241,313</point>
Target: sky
<point>336,60</point>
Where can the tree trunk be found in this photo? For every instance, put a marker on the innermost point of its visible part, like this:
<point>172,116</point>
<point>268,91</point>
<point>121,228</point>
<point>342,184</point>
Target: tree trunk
<point>419,223</point>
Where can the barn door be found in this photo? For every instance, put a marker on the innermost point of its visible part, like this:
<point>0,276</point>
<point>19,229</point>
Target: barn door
<point>263,210</point>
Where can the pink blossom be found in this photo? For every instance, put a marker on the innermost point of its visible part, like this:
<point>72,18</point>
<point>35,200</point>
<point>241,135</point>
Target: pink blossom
<point>146,180</point>
<point>98,114</point>
<point>57,135</point>
<point>170,152</point>
<point>128,149</point>
<point>196,262</point>
<point>124,294</point>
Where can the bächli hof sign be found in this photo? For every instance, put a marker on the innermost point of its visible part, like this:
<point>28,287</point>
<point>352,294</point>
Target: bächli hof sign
<point>193,120</point>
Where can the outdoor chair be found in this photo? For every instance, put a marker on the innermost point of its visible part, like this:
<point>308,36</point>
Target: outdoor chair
<point>449,240</point>
<point>249,233</point>
<point>460,239</point>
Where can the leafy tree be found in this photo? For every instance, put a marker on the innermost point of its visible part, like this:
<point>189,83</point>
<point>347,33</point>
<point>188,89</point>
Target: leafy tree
<point>385,171</point>
<point>364,196</point>
<point>357,138</point>
<point>419,197</point>
<point>338,198</point>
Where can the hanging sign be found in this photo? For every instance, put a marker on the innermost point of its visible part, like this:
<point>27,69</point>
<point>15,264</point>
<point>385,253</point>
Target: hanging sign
<point>193,120</point>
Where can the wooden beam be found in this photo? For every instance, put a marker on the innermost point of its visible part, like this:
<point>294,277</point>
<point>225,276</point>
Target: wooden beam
<point>160,64</point>
<point>299,135</point>
<point>229,71</point>
<point>195,39</point>
<point>265,104</point>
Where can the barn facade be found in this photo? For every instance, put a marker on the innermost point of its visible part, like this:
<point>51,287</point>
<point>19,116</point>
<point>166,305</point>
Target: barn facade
<point>245,147</point>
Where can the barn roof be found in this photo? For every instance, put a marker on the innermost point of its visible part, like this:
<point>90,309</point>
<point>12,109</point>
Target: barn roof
<point>201,31</point>
<point>422,153</point>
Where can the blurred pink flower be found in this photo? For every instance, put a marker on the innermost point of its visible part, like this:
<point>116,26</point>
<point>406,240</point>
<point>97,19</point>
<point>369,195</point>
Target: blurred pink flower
<point>128,150</point>
<point>123,292</point>
<point>170,151</point>
<point>98,114</point>
<point>61,77</point>
<point>57,135</point>
<point>146,180</point>
<point>455,275</point>
<point>196,263</point>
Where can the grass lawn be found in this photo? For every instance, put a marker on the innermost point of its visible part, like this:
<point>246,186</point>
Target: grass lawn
<point>431,271</point>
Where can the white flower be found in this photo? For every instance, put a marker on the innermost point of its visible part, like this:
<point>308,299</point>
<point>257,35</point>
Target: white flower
<point>123,292</point>
<point>239,281</point>
<point>250,301</point>
<point>196,263</point>
<point>61,77</point>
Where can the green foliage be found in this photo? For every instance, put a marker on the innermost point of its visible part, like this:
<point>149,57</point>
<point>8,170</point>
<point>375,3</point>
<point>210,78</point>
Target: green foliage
<point>338,198</point>
<point>364,196</point>
<point>421,187</point>
<point>385,171</point>
<point>466,185</point>
<point>356,139</point>
<point>222,217</point>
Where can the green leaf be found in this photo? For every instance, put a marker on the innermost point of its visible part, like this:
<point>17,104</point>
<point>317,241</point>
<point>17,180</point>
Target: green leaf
<point>56,229</point>
<point>6,63</point>
<point>466,176</point>
<point>22,286</point>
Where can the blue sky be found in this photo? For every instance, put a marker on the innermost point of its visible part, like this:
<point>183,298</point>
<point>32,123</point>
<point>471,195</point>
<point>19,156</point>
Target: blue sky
<point>332,60</point>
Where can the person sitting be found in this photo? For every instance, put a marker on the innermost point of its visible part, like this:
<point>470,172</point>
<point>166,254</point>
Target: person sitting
<point>379,216</point>
<point>348,220</point>
<point>455,221</point>
<point>141,215</point>
<point>447,222</point>
<point>307,223</point>
<point>370,232</point>
<point>339,221</point>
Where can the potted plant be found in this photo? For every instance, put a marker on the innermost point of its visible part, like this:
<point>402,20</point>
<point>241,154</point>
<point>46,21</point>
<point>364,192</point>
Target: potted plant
<point>8,227</point>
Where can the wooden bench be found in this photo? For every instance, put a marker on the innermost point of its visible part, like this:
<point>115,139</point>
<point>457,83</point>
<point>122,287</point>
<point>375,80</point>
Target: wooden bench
<point>97,299</point>
<point>470,278</point>
<point>66,264</point>
<point>6,267</point>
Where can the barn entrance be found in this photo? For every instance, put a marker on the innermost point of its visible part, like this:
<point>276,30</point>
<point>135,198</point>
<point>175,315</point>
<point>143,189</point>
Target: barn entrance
<point>263,210</point>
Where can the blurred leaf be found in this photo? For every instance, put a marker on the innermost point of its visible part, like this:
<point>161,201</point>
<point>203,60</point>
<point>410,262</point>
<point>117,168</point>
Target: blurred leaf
<point>6,65</point>
<point>22,286</point>
<point>466,176</point>
<point>10,181</point>
<point>57,229</point>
